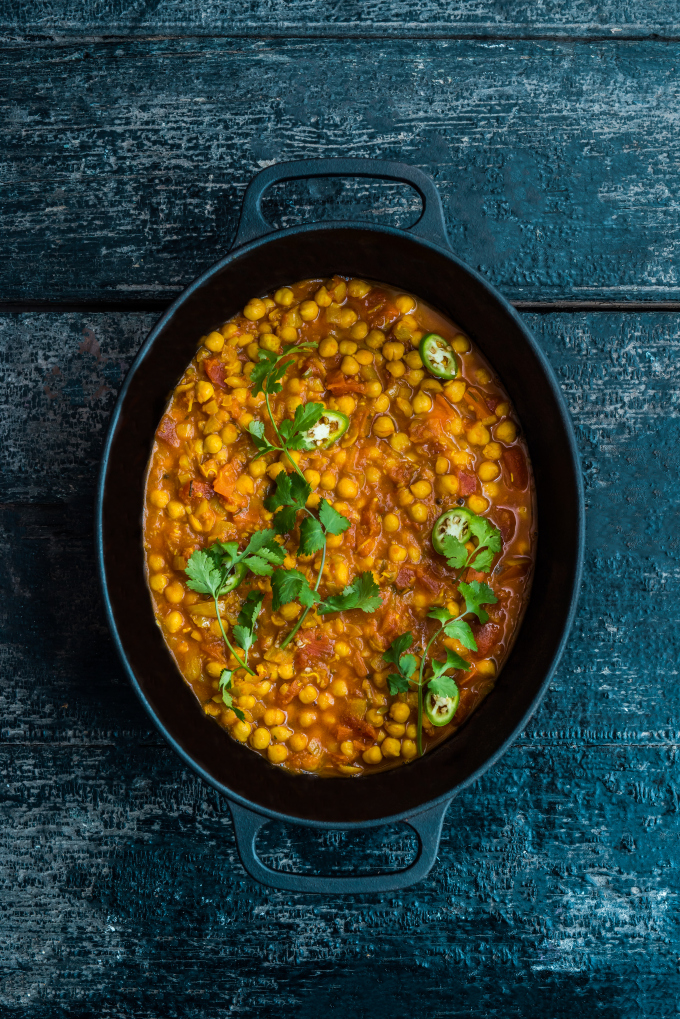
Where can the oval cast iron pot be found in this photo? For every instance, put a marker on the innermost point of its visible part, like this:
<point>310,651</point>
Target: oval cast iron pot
<point>418,260</point>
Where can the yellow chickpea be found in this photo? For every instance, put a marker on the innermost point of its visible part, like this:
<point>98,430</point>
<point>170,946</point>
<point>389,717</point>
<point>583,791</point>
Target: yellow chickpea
<point>396,553</point>
<point>364,357</point>
<point>244,485</point>
<point>214,341</point>
<point>288,334</point>
<point>404,304</point>
<point>374,388</point>
<point>326,700</point>
<point>212,444</point>
<point>478,503</point>
<point>486,667</point>
<point>174,593</point>
<point>404,497</point>
<point>502,409</point>
<point>328,481</point>
<point>448,484</point>
<point>488,471</point>
<point>400,711</point>
<point>260,739</point>
<point>400,442</point>
<point>241,731</point>
<point>493,451</point>
<point>309,311</point>
<point>478,434</point>
<point>373,755</point>
<point>460,344</point>
<point>422,403</point>
<point>156,562</point>
<point>290,611</point>
<point>308,694</point>
<point>174,621</point>
<point>284,297</point>
<point>348,749</point>
<point>391,747</point>
<point>349,365</point>
<point>204,391</point>
<point>347,488</point>
<point>277,753</point>
<point>342,649</point>
<point>347,404</point>
<point>270,342</point>
<point>158,582</point>
<point>306,719</point>
<point>418,512</point>
<point>383,426</point>
<point>396,729</point>
<point>393,350</point>
<point>328,347</point>
<point>374,717</point>
<point>274,716</point>
<point>506,432</point>
<point>229,434</point>
<point>159,498</point>
<point>359,331</point>
<point>312,477</point>
<point>375,339</point>
<point>339,688</point>
<point>408,749</point>
<point>334,540</point>
<point>281,733</point>
<point>413,359</point>
<point>323,298</point>
<point>347,347</point>
<point>372,474</point>
<point>391,523</point>
<point>382,404</point>
<point>442,466</point>
<point>255,309</point>
<point>358,288</point>
<point>175,509</point>
<point>347,317</point>
<point>297,742</point>
<point>421,489</point>
<point>396,368</point>
<point>257,468</point>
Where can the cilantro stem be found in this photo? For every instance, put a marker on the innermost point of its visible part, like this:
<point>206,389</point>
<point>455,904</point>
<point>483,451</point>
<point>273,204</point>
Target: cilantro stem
<point>282,447</point>
<point>420,689</point>
<point>316,588</point>
<point>226,639</point>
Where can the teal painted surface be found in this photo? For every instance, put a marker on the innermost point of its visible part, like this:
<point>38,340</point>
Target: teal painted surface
<point>556,887</point>
<point>124,163</point>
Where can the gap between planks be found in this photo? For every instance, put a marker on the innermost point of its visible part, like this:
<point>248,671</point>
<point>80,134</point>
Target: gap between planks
<point>342,32</point>
<point>152,305</point>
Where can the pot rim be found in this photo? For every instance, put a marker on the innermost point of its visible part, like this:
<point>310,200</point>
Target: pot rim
<point>549,378</point>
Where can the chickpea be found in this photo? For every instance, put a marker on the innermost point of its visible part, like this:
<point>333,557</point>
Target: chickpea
<point>290,611</point>
<point>414,377</point>
<point>455,391</point>
<point>323,298</point>
<point>277,753</point>
<point>260,739</point>
<point>421,489</point>
<point>478,503</point>
<point>244,485</point>
<point>174,621</point>
<point>156,562</point>
<point>422,403</point>
<point>174,593</point>
<point>408,749</point>
<point>339,688</point>
<point>359,331</point>
<point>284,297</point>
<point>375,339</point>
<point>309,311</point>
<point>396,729</point>
<point>418,512</point>
<point>204,391</point>
<point>281,733</point>
<point>349,366</point>
<point>297,742</point>
<point>404,304</point>
<point>374,389</point>
<point>442,466</point>
<point>493,451</point>
<point>448,484</point>
<point>328,347</point>
<point>342,649</point>
<point>373,755</point>
<point>241,731</point>
<point>246,701</point>
<point>255,309</point>
<point>486,667</point>
<point>491,489</point>
<point>413,359</point>
<point>257,468</point>
<point>175,509</point>
<point>396,368</point>
<point>306,718</point>
<point>159,582</point>
<point>270,342</point>
<point>488,471</point>
<point>308,694</point>
<point>396,554</point>
<point>460,344</point>
<point>347,317</point>
<point>288,334</point>
<point>400,711</point>
<point>312,477</point>
<point>412,731</point>
<point>348,748</point>
<point>393,351</point>
<point>334,540</point>
<point>275,469</point>
<point>214,341</point>
<point>382,403</point>
<point>506,432</point>
<point>400,442</point>
<point>391,747</point>
<point>404,497</point>
<point>212,444</point>
<point>347,488</point>
<point>159,498</point>
<point>383,426</point>
<point>274,716</point>
<point>374,717</point>
<point>478,434</point>
<point>358,288</point>
<point>347,404</point>
<point>502,409</point>
<point>364,357</point>
<point>328,480</point>
<point>347,347</point>
<point>372,475</point>
<point>229,434</point>
<point>185,430</point>
<point>391,523</point>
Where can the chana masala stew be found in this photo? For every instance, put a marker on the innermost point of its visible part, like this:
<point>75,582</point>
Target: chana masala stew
<point>339,526</point>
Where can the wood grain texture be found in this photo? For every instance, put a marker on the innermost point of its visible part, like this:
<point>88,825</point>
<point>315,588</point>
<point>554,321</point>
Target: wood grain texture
<point>557,162</point>
<point>556,887</point>
<point>314,17</point>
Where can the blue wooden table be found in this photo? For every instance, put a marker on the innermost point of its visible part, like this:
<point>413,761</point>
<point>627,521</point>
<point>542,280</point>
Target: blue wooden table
<point>130,130</point>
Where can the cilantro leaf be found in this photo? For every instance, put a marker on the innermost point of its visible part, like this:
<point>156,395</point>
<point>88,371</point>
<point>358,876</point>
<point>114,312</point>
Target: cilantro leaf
<point>397,683</point>
<point>204,576</point>
<point>486,533</point>
<point>476,595</point>
<point>306,416</point>
<point>289,585</point>
<point>259,566</point>
<point>225,684</point>
<point>264,543</point>
<point>439,613</point>
<point>408,664</point>
<point>300,490</point>
<point>285,520</point>
<point>443,686</point>
<point>482,561</point>
<point>333,522</point>
<point>271,367</point>
<point>453,661</point>
<point>262,444</point>
<point>397,648</point>
<point>291,490</point>
<point>312,536</point>
<point>250,609</point>
<point>460,630</point>
<point>363,593</point>
<point>266,359</point>
<point>455,551</point>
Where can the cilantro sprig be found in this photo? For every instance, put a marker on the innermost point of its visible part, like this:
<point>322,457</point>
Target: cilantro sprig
<point>409,676</point>
<point>489,543</point>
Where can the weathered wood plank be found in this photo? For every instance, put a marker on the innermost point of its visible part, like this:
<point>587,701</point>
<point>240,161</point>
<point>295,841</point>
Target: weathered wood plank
<point>557,162</point>
<point>557,881</point>
<point>617,682</point>
<point>313,17</point>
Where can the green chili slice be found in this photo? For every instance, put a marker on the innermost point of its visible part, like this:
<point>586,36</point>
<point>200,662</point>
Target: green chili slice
<point>456,523</point>
<point>330,427</point>
<point>438,356</point>
<point>235,579</point>
<point>440,710</point>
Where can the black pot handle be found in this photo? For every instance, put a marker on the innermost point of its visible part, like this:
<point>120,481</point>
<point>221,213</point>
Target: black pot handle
<point>427,826</point>
<point>430,226</point>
